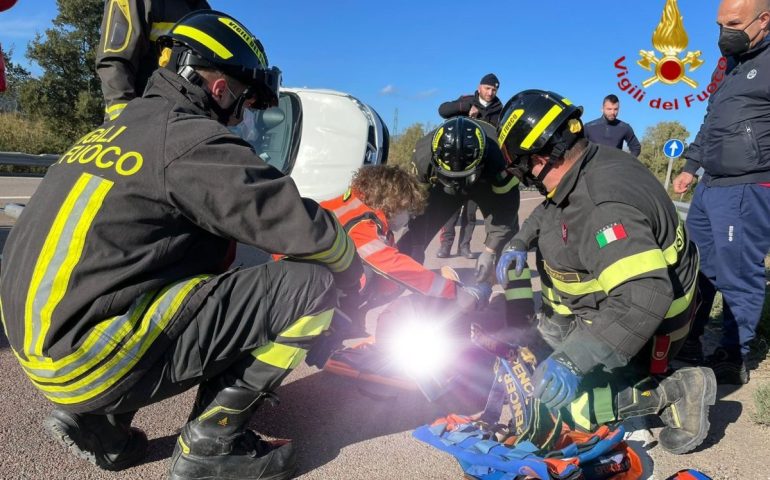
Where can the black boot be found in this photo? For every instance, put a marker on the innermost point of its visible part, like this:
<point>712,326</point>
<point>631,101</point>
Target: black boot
<point>682,401</point>
<point>444,251</point>
<point>729,366</point>
<point>691,352</point>
<point>107,441</point>
<point>217,445</point>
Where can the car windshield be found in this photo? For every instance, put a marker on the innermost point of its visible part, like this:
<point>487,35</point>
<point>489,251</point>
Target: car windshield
<point>274,133</point>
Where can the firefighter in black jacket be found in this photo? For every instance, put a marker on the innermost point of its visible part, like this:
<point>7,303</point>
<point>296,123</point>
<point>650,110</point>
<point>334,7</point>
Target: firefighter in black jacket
<point>114,288</point>
<point>461,161</point>
<point>622,274</point>
<point>127,55</point>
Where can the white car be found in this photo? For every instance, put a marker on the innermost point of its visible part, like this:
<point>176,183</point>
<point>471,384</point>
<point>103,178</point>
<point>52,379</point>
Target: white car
<point>319,137</point>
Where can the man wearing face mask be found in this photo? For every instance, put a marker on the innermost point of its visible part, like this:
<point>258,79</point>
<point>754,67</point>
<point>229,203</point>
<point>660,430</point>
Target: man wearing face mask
<point>460,161</point>
<point>113,291</point>
<point>729,218</point>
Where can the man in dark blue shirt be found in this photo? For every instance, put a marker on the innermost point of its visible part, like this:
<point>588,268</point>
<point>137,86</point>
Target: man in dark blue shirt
<point>608,130</point>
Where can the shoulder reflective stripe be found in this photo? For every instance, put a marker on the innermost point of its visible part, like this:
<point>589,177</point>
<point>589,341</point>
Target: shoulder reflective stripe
<point>680,304</point>
<point>59,256</point>
<point>115,108</point>
<point>160,313</point>
<point>99,344</point>
<point>526,274</point>
<point>437,286</point>
<point>540,126</point>
<point>159,28</point>
<point>512,182</point>
<point>204,39</point>
<point>309,325</point>
<point>340,211</point>
<point>576,288</point>
<point>279,355</point>
<point>518,293</point>
<point>370,248</point>
<point>632,266</point>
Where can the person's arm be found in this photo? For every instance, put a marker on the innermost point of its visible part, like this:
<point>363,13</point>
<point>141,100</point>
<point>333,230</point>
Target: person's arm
<point>396,266</point>
<point>223,187</point>
<point>633,273</point>
<point>530,228</point>
<point>121,46</point>
<point>498,198</point>
<point>461,106</point>
<point>633,143</point>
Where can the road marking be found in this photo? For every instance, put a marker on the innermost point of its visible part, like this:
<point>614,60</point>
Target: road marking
<point>15,198</point>
<point>523,199</point>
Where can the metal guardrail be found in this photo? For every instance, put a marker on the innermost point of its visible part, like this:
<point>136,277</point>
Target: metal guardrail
<point>17,159</point>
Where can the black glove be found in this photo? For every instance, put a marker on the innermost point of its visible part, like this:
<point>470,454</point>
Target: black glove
<point>485,266</point>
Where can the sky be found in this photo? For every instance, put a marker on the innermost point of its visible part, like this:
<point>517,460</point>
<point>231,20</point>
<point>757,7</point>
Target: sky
<point>410,56</point>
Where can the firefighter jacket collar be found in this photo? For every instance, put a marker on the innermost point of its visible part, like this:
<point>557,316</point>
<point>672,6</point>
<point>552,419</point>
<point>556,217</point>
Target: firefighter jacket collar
<point>188,97</point>
<point>567,183</point>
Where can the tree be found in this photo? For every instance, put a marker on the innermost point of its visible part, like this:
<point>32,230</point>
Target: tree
<point>16,76</point>
<point>652,147</point>
<point>402,146</point>
<point>67,97</point>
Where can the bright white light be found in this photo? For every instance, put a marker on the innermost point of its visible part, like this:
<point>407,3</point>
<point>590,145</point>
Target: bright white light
<point>421,348</point>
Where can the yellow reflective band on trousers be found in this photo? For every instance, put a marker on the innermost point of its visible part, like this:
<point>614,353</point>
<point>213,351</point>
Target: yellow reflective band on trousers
<point>58,258</point>
<point>579,409</point>
<point>309,326</point>
<point>279,355</point>
<point>512,182</point>
<point>126,355</point>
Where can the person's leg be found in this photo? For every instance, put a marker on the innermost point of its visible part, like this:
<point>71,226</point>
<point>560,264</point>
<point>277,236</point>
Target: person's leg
<point>467,226</point>
<point>447,235</point>
<point>699,229</point>
<point>256,325</point>
<point>742,241</point>
<point>423,228</point>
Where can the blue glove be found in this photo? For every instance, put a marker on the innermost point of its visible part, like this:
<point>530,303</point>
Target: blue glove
<point>474,297</point>
<point>556,381</point>
<point>516,253</point>
<point>485,264</point>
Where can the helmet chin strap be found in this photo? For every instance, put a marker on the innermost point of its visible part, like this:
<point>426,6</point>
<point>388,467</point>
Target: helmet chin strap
<point>556,153</point>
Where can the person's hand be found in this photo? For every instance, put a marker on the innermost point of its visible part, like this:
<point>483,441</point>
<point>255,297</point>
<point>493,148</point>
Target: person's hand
<point>473,112</point>
<point>473,297</point>
<point>485,265</point>
<point>515,253</point>
<point>556,381</point>
<point>682,182</point>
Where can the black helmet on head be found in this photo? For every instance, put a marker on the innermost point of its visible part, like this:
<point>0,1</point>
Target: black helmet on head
<point>457,153</point>
<point>215,40</point>
<point>537,122</point>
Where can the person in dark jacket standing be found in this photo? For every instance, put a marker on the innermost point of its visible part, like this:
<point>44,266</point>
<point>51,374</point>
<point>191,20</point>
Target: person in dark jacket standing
<point>729,217</point>
<point>609,130</point>
<point>483,105</point>
<point>114,290</point>
<point>623,275</point>
<point>127,55</point>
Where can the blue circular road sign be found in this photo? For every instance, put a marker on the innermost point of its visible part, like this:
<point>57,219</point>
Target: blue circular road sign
<point>673,148</point>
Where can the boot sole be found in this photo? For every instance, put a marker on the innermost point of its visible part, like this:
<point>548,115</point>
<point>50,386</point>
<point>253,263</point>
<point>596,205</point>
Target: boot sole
<point>286,475</point>
<point>708,399</point>
<point>57,429</point>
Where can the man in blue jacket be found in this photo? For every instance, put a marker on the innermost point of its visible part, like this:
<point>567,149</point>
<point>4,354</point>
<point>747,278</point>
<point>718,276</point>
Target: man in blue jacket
<point>729,218</point>
<point>608,130</point>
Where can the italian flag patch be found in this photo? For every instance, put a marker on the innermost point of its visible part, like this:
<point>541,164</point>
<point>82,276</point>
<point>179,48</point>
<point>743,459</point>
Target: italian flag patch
<point>610,233</point>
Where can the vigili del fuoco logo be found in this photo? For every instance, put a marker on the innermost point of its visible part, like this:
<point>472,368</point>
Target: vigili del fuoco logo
<point>668,65</point>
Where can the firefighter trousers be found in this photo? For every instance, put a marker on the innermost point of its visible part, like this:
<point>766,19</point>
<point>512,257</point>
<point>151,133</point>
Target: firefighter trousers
<point>253,329</point>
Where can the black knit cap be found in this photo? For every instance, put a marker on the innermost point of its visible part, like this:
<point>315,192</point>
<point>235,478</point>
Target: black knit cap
<point>490,79</point>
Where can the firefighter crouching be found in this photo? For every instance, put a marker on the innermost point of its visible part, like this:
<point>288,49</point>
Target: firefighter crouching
<point>619,276</point>
<point>114,289</point>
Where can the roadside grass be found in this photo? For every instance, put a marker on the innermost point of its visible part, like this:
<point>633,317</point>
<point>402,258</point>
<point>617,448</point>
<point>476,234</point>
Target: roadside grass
<point>761,413</point>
